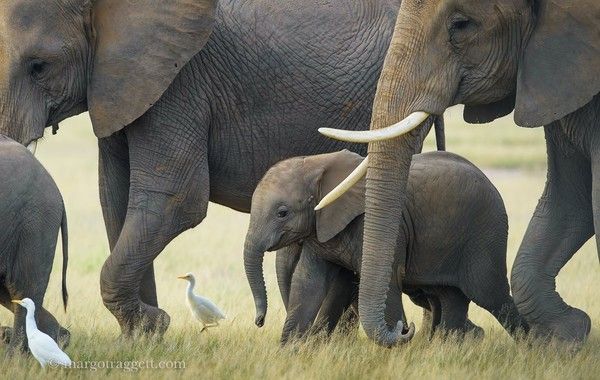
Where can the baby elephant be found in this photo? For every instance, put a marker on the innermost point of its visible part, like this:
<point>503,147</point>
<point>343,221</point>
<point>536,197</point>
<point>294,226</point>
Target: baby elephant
<point>32,212</point>
<point>455,228</point>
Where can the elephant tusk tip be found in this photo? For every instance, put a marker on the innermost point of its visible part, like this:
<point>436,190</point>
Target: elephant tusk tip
<point>32,147</point>
<point>325,131</point>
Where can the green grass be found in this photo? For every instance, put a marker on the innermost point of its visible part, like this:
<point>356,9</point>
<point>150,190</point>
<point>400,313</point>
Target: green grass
<point>237,349</point>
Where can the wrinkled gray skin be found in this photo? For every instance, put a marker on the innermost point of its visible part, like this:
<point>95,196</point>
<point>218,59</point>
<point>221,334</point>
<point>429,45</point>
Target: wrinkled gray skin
<point>191,102</point>
<point>32,213</point>
<point>454,222</point>
<point>538,57</point>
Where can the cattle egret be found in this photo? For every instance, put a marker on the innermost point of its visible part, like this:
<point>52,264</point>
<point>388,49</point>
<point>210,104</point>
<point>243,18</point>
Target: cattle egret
<point>42,347</point>
<point>202,308</point>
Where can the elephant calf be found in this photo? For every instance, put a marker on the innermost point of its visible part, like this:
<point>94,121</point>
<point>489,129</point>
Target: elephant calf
<point>454,231</point>
<point>32,212</point>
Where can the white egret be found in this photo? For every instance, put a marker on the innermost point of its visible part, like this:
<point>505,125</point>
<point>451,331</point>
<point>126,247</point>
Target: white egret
<point>202,308</point>
<point>42,347</point>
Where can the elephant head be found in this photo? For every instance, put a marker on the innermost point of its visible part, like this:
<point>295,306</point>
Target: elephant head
<point>114,58</point>
<point>538,57</point>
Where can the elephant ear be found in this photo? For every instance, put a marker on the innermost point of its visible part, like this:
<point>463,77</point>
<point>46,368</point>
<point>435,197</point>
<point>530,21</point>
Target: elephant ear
<point>140,47</point>
<point>558,73</point>
<point>332,219</point>
<point>486,113</point>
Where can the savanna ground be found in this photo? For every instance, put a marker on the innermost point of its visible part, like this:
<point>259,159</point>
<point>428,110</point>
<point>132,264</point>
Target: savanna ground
<point>513,157</point>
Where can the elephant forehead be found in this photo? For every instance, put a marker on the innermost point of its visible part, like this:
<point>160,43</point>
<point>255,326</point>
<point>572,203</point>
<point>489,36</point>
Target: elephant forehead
<point>23,19</point>
<point>287,172</point>
<point>22,15</point>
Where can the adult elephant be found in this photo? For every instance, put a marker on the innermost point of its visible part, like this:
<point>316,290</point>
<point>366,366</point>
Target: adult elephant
<point>538,57</point>
<point>184,116</point>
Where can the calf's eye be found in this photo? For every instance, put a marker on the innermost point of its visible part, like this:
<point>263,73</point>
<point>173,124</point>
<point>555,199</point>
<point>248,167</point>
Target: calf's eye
<point>282,212</point>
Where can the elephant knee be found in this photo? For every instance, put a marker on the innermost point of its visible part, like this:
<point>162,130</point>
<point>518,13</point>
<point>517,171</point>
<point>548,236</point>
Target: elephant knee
<point>526,280</point>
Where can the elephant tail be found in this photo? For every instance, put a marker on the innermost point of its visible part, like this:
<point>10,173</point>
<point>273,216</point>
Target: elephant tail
<point>440,134</point>
<point>65,250</point>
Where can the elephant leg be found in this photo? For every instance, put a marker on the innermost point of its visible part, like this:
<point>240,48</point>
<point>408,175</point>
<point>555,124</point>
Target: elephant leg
<point>113,174</point>
<point>432,317</point>
<point>48,324</point>
<point>5,331</point>
<point>422,300</point>
<point>168,194</point>
<point>113,170</point>
<point>18,339</point>
<point>596,196</point>
<point>31,270</point>
<point>436,312</point>
<point>342,292</point>
<point>310,284</point>
<point>285,264</point>
<point>454,309</point>
<point>561,224</point>
<point>471,328</point>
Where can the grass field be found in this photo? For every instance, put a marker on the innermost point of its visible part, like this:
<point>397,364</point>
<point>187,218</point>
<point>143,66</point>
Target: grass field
<point>513,157</point>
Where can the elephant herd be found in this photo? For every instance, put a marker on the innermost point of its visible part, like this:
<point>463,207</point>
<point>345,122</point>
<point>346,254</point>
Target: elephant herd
<point>194,100</point>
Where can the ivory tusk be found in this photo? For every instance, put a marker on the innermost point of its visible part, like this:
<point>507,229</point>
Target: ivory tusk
<point>345,185</point>
<point>32,147</point>
<point>411,122</point>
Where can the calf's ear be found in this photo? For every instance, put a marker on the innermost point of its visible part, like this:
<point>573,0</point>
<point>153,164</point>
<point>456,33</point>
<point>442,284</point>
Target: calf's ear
<point>331,220</point>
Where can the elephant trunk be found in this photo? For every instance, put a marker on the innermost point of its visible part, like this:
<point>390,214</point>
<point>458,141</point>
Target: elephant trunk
<point>24,126</point>
<point>253,264</point>
<point>387,176</point>
<point>398,97</point>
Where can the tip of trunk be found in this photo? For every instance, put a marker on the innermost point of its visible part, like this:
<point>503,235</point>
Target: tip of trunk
<point>383,336</point>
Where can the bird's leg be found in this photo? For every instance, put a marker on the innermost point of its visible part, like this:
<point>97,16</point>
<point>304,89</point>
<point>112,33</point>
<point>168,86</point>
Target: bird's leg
<point>207,326</point>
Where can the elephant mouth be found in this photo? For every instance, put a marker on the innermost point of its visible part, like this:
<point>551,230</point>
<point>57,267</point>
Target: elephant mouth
<point>277,246</point>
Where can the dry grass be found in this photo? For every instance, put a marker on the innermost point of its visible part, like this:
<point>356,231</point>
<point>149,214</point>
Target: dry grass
<point>238,349</point>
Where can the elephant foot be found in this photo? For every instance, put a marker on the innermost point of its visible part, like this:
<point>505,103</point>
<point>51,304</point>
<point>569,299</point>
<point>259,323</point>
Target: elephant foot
<point>64,338</point>
<point>5,334</point>
<point>573,327</point>
<point>146,320</point>
<point>473,330</point>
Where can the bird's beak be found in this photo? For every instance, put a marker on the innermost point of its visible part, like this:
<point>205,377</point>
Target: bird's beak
<point>182,277</point>
<point>17,301</point>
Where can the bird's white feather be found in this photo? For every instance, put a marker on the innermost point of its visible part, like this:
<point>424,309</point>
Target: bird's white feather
<point>202,308</point>
<point>45,349</point>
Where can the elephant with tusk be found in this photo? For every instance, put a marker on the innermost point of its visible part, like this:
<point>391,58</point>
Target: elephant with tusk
<point>454,225</point>
<point>539,58</point>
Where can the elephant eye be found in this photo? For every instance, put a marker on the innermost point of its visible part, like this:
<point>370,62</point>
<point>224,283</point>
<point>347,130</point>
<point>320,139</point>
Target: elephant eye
<point>37,68</point>
<point>458,25</point>
<point>282,212</point>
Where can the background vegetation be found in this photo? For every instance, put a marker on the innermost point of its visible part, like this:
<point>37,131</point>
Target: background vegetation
<point>513,157</point>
